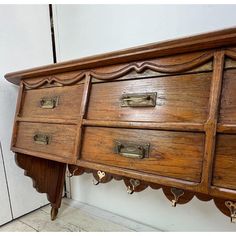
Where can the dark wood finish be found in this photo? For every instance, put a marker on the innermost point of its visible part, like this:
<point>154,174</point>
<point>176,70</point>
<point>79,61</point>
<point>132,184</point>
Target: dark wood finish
<point>191,130</point>
<point>48,177</point>
<point>173,154</point>
<point>179,99</point>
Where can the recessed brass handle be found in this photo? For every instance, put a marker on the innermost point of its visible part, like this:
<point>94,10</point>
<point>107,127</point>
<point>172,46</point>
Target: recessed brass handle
<point>132,150</point>
<point>49,102</point>
<point>139,100</point>
<point>43,139</point>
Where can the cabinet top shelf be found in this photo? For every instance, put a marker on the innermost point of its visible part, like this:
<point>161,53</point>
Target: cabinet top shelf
<point>212,40</point>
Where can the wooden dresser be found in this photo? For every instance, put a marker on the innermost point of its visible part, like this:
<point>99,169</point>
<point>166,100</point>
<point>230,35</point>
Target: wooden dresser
<point>161,115</point>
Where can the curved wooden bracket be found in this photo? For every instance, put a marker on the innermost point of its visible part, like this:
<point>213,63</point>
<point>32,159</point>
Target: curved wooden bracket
<point>48,177</point>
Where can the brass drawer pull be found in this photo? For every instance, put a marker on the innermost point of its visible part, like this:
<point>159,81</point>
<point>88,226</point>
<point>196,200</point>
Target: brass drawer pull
<point>139,100</point>
<point>40,138</point>
<point>132,150</point>
<point>49,103</point>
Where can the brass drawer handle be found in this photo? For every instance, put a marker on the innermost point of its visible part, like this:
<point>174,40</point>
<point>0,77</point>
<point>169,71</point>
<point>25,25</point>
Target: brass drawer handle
<point>139,100</point>
<point>40,138</point>
<point>132,150</point>
<point>49,103</point>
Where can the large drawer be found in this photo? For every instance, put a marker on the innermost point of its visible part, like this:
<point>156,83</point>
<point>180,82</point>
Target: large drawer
<point>56,102</point>
<point>172,154</point>
<point>182,98</point>
<point>52,139</point>
<point>224,171</point>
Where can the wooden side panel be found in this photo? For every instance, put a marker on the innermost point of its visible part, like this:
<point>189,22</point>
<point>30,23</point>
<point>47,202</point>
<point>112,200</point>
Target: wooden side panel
<point>69,100</point>
<point>228,99</point>
<point>224,172</point>
<point>172,154</point>
<point>179,99</point>
<point>61,144</point>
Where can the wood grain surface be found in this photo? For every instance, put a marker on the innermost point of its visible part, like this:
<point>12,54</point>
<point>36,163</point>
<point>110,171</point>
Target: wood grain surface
<point>228,98</point>
<point>172,154</point>
<point>69,100</point>
<point>62,138</point>
<point>181,98</point>
<point>224,173</point>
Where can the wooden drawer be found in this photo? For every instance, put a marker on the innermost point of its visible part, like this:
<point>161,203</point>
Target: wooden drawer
<point>172,154</point>
<point>57,102</point>
<point>228,98</point>
<point>224,171</point>
<point>58,140</point>
<point>182,98</point>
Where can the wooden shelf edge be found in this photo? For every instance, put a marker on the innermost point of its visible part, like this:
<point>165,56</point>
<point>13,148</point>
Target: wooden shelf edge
<point>146,125</point>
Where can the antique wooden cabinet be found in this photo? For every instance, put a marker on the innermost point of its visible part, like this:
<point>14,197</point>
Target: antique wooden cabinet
<point>160,115</point>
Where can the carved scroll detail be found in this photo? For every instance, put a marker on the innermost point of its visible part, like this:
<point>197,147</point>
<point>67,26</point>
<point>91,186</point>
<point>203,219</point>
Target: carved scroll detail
<point>137,67</point>
<point>231,54</point>
<point>54,79</point>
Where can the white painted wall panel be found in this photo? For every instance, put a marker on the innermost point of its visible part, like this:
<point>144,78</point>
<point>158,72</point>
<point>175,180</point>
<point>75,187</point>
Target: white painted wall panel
<point>5,213</point>
<point>83,30</point>
<point>25,42</point>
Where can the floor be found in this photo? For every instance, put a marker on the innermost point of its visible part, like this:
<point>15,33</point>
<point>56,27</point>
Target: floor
<point>74,217</point>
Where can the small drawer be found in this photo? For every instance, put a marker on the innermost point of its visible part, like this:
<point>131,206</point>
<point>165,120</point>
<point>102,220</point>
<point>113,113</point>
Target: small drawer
<point>171,154</point>
<point>58,140</point>
<point>56,102</point>
<point>182,98</point>
<point>224,170</point>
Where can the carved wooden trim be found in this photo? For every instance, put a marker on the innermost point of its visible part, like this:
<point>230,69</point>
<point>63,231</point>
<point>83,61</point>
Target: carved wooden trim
<point>53,79</point>
<point>138,67</point>
<point>184,198</point>
<point>141,67</point>
<point>207,41</point>
<point>231,54</point>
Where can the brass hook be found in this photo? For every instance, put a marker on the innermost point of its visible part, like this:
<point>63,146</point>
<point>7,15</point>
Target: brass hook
<point>134,183</point>
<point>177,194</point>
<point>73,173</point>
<point>232,207</point>
<point>101,175</point>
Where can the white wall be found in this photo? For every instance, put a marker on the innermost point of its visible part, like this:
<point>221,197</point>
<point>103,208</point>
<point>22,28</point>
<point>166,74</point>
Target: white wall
<point>25,42</point>
<point>5,213</point>
<point>84,30</point>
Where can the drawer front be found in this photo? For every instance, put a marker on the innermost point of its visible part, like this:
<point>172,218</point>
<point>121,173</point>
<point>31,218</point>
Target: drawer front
<point>224,171</point>
<point>58,140</point>
<point>56,102</point>
<point>172,154</point>
<point>163,99</point>
<point>228,98</point>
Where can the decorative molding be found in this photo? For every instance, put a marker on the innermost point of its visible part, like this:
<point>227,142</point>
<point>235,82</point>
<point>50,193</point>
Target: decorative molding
<point>53,79</point>
<point>231,54</point>
<point>165,69</point>
<point>186,197</point>
<point>136,67</point>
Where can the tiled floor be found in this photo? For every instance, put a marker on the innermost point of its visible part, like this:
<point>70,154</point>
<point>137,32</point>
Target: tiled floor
<point>74,216</point>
